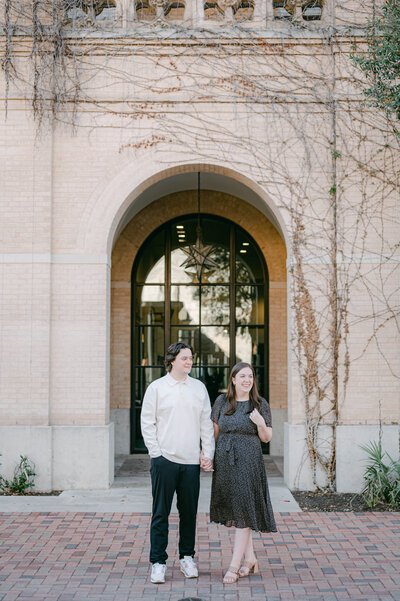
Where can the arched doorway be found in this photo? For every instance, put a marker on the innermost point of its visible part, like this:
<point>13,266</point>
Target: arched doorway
<point>222,311</point>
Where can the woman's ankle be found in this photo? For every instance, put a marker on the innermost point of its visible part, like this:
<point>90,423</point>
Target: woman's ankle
<point>250,559</point>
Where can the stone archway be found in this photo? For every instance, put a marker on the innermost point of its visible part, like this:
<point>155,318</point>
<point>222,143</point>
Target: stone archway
<point>125,250</point>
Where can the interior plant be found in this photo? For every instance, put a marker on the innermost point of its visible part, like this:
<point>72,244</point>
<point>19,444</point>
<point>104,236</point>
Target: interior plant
<point>381,477</point>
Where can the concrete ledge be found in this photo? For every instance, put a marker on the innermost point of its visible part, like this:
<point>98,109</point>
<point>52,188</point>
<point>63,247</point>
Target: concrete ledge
<point>83,457</point>
<point>32,441</point>
<point>297,465</point>
<point>65,457</point>
<point>350,458</point>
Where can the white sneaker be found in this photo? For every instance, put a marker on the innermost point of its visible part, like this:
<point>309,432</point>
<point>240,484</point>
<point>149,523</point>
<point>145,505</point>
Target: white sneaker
<point>158,573</point>
<point>188,567</point>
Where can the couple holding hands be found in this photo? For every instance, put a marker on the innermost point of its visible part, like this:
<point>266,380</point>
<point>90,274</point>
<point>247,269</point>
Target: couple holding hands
<point>176,417</point>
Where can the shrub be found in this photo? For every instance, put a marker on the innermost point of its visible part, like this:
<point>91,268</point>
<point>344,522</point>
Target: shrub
<point>23,478</point>
<point>381,477</point>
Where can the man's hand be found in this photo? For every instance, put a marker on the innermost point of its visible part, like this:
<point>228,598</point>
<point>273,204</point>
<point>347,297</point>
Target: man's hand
<point>205,463</point>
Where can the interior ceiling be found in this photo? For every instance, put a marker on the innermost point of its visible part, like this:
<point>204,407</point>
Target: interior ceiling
<point>188,181</point>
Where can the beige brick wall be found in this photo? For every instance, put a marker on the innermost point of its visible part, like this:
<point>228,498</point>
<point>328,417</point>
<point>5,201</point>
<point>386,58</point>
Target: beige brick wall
<point>372,391</point>
<point>25,271</point>
<point>79,345</point>
<point>278,347</point>
<point>64,194</point>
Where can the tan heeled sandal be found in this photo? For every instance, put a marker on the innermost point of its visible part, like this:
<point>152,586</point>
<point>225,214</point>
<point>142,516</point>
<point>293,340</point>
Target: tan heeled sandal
<point>231,579</point>
<point>250,567</point>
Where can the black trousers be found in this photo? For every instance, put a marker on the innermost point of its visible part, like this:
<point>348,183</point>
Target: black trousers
<point>166,478</point>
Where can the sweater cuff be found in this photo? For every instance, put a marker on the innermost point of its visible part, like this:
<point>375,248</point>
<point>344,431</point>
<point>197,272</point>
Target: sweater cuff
<point>155,454</point>
<point>208,452</point>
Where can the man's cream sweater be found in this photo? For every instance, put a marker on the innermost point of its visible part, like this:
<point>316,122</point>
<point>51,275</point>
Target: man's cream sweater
<point>175,417</point>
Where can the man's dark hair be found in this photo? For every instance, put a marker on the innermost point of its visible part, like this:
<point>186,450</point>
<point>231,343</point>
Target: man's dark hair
<point>173,351</point>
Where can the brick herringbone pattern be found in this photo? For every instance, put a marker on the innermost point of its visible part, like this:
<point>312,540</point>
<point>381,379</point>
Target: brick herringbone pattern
<point>103,556</point>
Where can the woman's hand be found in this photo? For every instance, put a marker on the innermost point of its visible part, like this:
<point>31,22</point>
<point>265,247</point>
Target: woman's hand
<point>257,418</point>
<point>205,463</point>
<point>264,432</point>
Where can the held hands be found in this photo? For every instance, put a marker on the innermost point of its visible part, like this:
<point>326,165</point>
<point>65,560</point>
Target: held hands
<point>257,418</point>
<point>205,463</point>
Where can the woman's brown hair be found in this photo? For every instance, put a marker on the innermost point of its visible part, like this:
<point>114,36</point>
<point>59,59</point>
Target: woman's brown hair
<point>254,397</point>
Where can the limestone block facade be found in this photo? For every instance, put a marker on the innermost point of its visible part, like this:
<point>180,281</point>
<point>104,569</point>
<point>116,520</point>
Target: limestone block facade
<point>79,202</point>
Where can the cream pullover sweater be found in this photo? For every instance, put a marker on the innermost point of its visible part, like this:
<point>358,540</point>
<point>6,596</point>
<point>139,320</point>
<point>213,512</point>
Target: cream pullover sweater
<point>175,417</point>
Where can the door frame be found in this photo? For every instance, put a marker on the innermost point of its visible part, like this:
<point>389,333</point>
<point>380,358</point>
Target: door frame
<point>167,298</point>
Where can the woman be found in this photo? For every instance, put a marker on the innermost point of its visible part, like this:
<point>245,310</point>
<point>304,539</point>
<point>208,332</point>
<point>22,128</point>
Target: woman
<point>239,495</point>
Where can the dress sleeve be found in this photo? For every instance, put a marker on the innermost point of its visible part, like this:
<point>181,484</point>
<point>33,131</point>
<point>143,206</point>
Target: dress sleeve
<point>266,413</point>
<point>216,410</point>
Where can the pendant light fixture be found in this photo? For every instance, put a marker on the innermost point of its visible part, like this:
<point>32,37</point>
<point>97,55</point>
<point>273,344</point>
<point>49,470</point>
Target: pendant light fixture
<point>198,255</point>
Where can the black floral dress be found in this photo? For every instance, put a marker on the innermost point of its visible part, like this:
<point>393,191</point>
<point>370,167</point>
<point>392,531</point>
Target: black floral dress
<point>239,494</point>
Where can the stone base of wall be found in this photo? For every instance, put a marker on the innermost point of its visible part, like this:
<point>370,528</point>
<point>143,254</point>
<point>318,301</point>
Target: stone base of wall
<point>65,457</point>
<point>279,417</point>
<point>121,419</point>
<point>350,458</point>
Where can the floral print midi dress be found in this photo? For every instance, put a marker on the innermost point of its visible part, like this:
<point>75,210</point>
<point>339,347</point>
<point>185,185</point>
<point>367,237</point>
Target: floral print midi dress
<point>239,494</point>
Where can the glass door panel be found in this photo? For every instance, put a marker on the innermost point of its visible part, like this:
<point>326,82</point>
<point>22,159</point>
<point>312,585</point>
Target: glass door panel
<point>183,234</point>
<point>215,380</point>
<point>150,345</point>
<point>250,305</point>
<point>248,264</point>
<point>250,345</point>
<point>178,274</point>
<point>185,305</point>
<point>219,274</point>
<point>144,377</point>
<point>217,235</point>
<point>151,264</point>
<point>215,308</point>
<point>150,304</point>
<point>214,345</point>
<point>260,379</point>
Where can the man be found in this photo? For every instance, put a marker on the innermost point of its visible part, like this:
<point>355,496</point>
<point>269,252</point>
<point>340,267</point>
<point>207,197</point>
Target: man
<point>175,418</point>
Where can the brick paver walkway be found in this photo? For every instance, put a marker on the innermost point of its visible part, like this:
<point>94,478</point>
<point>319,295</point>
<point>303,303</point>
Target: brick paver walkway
<point>104,557</point>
